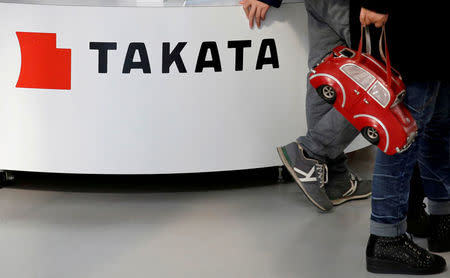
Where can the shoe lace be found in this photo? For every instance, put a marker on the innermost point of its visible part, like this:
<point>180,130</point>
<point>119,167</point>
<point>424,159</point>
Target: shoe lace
<point>322,173</point>
<point>353,185</point>
<point>409,242</point>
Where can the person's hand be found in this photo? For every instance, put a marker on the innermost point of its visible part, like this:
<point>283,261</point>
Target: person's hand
<point>368,17</point>
<point>255,11</point>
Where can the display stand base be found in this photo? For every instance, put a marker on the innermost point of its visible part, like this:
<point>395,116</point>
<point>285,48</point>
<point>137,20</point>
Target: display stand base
<point>6,178</point>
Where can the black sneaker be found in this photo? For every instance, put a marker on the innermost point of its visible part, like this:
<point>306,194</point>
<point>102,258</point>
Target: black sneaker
<point>346,186</point>
<point>439,239</point>
<point>417,221</point>
<point>400,255</point>
<point>310,174</point>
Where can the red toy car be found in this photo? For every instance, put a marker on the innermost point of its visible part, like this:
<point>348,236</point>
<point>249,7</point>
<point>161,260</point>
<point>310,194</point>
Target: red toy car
<point>358,86</point>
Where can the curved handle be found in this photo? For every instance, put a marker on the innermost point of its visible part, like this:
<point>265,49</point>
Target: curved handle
<point>385,58</point>
<point>383,53</point>
<point>364,34</point>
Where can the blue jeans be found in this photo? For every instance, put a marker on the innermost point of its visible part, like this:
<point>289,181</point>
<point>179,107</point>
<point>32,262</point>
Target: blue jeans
<point>428,103</point>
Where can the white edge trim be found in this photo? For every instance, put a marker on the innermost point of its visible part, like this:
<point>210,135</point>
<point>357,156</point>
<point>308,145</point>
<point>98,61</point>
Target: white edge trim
<point>378,121</point>
<point>337,81</point>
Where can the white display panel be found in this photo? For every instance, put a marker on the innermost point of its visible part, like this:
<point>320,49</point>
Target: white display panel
<point>148,123</point>
<point>136,3</point>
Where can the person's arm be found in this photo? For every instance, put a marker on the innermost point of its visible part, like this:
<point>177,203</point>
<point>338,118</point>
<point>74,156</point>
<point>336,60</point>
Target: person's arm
<point>256,10</point>
<point>374,12</point>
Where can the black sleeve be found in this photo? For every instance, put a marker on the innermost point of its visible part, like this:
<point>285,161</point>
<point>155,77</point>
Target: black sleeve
<point>378,6</point>
<point>273,3</point>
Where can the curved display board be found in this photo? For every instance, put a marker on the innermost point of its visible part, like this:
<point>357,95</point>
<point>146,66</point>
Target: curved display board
<point>148,90</point>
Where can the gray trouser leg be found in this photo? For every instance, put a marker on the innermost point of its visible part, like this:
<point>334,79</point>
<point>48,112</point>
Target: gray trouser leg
<point>329,133</point>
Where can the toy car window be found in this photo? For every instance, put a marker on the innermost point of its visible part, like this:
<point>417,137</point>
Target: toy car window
<point>380,94</point>
<point>359,75</point>
<point>347,53</point>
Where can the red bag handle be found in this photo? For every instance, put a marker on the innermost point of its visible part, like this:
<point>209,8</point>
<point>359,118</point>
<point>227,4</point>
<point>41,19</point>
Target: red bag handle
<point>383,53</point>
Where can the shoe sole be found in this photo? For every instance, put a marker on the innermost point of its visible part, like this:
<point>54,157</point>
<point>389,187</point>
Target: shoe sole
<point>338,202</point>
<point>388,267</point>
<point>438,247</point>
<point>296,179</point>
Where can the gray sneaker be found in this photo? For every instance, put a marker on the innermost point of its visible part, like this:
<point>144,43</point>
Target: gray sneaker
<point>346,186</point>
<point>310,175</point>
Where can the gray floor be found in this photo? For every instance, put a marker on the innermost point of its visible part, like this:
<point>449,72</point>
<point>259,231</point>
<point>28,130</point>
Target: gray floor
<point>213,225</point>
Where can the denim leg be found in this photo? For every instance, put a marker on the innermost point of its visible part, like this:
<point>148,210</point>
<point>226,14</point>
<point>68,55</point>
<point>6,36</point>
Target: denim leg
<point>390,190</point>
<point>390,186</point>
<point>329,133</point>
<point>434,156</point>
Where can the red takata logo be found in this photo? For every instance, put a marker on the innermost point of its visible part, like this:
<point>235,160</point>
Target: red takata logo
<point>43,65</point>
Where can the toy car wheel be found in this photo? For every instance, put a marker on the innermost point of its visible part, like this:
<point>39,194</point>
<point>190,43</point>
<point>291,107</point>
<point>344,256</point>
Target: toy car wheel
<point>327,92</point>
<point>371,135</point>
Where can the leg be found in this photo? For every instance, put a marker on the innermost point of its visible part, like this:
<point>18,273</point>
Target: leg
<point>392,173</point>
<point>416,194</point>
<point>434,162</point>
<point>329,133</point>
<point>389,250</point>
<point>417,219</point>
<point>434,154</point>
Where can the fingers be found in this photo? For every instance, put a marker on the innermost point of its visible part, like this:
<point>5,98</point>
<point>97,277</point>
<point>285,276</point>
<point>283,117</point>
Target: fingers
<point>378,20</point>
<point>362,17</point>
<point>367,17</point>
<point>251,16</point>
<point>263,13</point>
<point>255,11</point>
<point>381,21</point>
<point>246,10</point>
<point>258,17</point>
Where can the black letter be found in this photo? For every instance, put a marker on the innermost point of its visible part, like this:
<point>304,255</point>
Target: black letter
<point>143,64</point>
<point>103,48</point>
<point>201,60</point>
<point>273,59</point>
<point>168,58</point>
<point>239,45</point>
